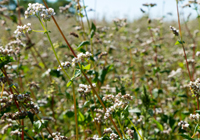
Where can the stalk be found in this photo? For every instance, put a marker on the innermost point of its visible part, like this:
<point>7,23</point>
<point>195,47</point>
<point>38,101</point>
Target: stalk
<point>194,42</point>
<point>29,135</point>
<point>86,16</point>
<point>83,72</point>
<point>53,48</point>
<point>22,136</point>
<point>136,129</point>
<point>191,79</point>
<point>16,103</point>
<point>75,109</point>
<point>2,89</point>
<point>179,24</point>
<point>121,128</point>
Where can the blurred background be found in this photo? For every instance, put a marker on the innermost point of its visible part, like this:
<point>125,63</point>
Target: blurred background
<point>130,9</point>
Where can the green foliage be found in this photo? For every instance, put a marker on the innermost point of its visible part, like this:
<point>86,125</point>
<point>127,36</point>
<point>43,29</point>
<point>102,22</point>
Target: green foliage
<point>39,125</point>
<point>4,60</point>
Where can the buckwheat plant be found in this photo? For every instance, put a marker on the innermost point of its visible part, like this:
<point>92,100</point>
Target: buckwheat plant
<point>99,80</point>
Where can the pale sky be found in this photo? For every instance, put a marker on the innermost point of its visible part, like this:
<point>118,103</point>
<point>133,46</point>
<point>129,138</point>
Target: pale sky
<point>131,8</point>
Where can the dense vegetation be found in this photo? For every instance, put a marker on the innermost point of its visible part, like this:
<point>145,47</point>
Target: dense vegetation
<point>96,79</point>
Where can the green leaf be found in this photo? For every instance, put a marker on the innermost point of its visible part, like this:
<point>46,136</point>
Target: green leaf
<point>81,15</point>
<point>125,112</point>
<point>39,125</point>
<point>77,73</point>
<point>179,42</point>
<point>135,110</point>
<point>196,128</point>
<point>106,137</point>
<point>197,67</point>
<point>69,113</point>
<point>83,44</point>
<point>150,112</point>
<point>160,127</point>
<point>4,60</point>
<point>182,95</point>
<point>31,116</point>
<point>63,46</point>
<point>102,74</point>
<point>93,30</point>
<point>156,92</point>
<point>69,83</point>
<point>56,73</point>
<point>156,70</point>
<point>81,117</point>
<point>13,18</point>
<point>186,136</point>
<point>87,67</point>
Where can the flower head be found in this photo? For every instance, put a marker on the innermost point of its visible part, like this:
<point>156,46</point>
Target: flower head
<point>39,11</point>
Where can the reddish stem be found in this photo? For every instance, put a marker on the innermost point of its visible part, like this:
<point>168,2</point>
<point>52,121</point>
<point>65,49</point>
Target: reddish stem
<point>181,40</point>
<point>61,32</point>
<point>84,73</point>
<point>194,47</point>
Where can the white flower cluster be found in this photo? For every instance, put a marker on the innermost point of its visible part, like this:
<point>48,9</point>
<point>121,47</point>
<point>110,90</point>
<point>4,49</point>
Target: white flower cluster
<point>108,97</point>
<point>5,128</point>
<point>120,102</point>
<point>136,120</point>
<point>175,32</point>
<point>65,8</point>
<point>64,64</point>
<point>98,110</point>
<point>130,132</point>
<point>57,136</point>
<point>198,53</point>
<point>98,115</point>
<point>167,131</point>
<point>109,111</point>
<point>34,108</point>
<point>191,61</point>
<point>158,111</point>
<point>173,73</point>
<point>20,97</point>
<point>95,137</point>
<point>183,124</point>
<point>22,29</point>
<point>15,43</point>
<point>195,86</point>
<point>113,136</point>
<point>194,116</point>
<point>39,11</point>
<point>98,118</point>
<point>6,51</point>
<point>80,57</point>
<point>107,131</point>
<point>85,88</point>
<point>16,132</point>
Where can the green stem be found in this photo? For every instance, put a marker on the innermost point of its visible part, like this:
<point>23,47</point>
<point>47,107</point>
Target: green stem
<point>86,16</point>
<point>135,129</point>
<point>121,127</point>
<point>38,31</point>
<point>65,74</point>
<point>75,110</point>
<point>83,71</point>
<point>53,48</point>
<point>179,24</point>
